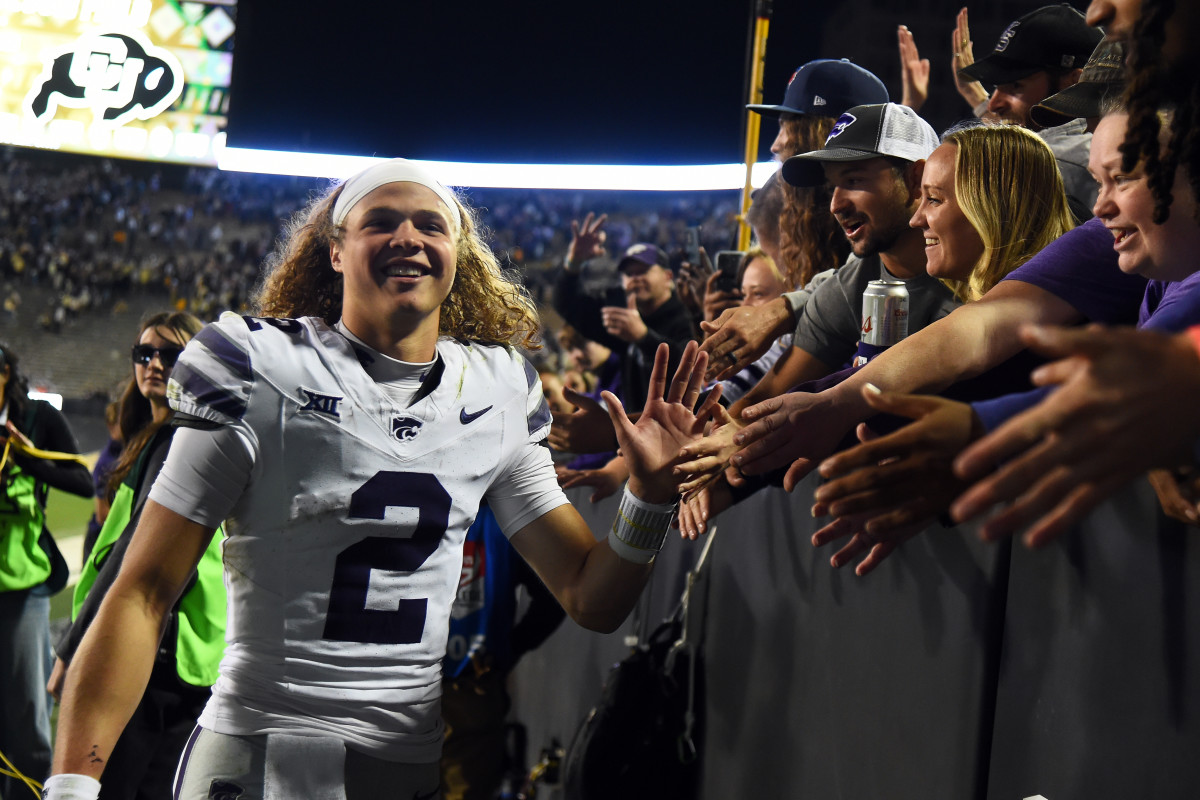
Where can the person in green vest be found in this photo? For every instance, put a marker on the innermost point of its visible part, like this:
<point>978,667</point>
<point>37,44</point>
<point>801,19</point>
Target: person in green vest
<point>39,451</point>
<point>143,763</point>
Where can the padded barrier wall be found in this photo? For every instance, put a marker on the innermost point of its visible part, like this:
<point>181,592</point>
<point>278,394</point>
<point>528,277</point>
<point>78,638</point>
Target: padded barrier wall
<point>958,669</point>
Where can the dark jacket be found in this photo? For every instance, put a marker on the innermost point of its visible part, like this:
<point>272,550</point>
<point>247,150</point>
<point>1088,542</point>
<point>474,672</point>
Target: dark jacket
<point>668,323</point>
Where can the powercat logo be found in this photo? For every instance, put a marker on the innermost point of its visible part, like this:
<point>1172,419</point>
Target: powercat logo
<point>120,76</point>
<point>844,121</point>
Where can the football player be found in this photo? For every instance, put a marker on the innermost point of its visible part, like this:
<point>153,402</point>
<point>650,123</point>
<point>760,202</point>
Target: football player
<point>346,438</point>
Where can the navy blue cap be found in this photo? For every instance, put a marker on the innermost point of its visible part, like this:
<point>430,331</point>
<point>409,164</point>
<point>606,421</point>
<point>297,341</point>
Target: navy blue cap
<point>827,87</point>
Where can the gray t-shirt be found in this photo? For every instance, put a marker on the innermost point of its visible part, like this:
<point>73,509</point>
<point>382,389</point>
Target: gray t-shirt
<point>829,325</point>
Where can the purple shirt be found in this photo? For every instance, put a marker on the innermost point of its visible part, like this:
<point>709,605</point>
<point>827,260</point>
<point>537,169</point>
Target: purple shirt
<point>1168,307</point>
<point>1080,268</point>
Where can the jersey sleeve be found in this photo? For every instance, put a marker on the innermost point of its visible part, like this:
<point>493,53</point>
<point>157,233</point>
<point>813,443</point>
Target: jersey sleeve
<point>205,473</point>
<point>537,411</point>
<point>526,489</point>
<point>214,376</point>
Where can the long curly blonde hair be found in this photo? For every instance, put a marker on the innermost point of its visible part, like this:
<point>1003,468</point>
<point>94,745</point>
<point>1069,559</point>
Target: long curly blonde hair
<point>486,304</point>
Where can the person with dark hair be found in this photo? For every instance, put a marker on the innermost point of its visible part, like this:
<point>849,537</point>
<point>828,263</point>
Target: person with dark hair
<point>872,163</point>
<point>1041,53</point>
<point>347,439</point>
<point>650,315</point>
<point>809,239</point>
<point>143,761</point>
<point>39,453</point>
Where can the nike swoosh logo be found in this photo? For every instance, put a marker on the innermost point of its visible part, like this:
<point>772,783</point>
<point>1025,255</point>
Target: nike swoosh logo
<point>467,419</point>
<point>417,795</point>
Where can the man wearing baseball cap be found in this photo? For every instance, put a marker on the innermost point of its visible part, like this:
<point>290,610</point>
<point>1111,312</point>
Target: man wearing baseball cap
<point>1102,81</point>
<point>872,164</point>
<point>650,314</point>
<point>1038,55</point>
<point>823,88</point>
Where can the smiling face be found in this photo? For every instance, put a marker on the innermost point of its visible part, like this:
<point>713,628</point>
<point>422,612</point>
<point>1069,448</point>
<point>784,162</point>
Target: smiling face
<point>650,287</point>
<point>1126,205</point>
<point>871,203</point>
<point>1014,101</point>
<point>760,284</point>
<point>952,245</point>
<point>152,378</point>
<point>397,259</point>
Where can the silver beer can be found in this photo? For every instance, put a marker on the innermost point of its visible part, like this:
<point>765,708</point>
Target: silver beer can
<point>884,313</point>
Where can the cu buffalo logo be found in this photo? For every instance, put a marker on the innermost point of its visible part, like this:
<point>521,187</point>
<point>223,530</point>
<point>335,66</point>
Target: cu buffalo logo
<point>405,428</point>
<point>120,77</point>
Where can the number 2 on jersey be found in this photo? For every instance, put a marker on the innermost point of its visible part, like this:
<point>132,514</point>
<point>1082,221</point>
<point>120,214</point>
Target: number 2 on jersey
<point>349,620</point>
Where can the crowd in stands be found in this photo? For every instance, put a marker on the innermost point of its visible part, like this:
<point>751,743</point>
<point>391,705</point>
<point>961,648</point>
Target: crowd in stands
<point>100,229</point>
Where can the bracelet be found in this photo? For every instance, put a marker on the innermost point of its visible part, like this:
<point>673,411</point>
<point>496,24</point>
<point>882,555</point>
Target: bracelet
<point>640,528</point>
<point>71,787</point>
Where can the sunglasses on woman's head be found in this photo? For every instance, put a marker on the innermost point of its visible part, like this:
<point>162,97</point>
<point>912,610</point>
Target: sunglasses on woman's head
<point>145,353</point>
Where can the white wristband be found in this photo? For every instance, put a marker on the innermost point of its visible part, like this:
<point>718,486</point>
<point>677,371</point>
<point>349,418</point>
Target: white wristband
<point>640,528</point>
<point>71,787</point>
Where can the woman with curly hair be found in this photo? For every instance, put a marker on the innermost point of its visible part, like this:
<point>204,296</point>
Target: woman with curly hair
<point>347,440</point>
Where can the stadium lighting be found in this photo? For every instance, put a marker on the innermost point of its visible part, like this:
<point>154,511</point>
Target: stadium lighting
<point>702,177</point>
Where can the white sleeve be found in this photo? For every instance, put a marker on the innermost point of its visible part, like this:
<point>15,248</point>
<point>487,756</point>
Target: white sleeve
<point>526,490</point>
<point>205,474</point>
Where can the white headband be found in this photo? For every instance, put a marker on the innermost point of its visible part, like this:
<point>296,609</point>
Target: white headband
<point>397,170</point>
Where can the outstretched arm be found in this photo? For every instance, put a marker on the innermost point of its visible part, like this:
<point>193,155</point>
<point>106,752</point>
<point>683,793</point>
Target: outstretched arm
<point>1125,404</point>
<point>801,429</point>
<point>598,582</point>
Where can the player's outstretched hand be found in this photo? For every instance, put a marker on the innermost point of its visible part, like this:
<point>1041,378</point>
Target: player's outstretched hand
<point>587,429</point>
<point>1125,404</point>
<point>907,476</point>
<point>740,336</point>
<point>669,421</point>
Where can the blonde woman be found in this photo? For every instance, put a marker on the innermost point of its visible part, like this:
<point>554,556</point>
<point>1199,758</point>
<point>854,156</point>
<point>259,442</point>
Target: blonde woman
<point>348,438</point>
<point>991,199</point>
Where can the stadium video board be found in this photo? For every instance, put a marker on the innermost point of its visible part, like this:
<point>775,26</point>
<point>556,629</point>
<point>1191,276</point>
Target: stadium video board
<point>145,79</point>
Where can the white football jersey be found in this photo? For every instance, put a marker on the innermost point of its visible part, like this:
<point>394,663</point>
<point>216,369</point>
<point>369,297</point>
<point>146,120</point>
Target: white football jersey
<point>344,552</point>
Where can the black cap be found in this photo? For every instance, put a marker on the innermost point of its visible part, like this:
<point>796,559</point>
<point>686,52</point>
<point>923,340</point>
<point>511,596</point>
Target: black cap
<point>1103,77</point>
<point>863,132</point>
<point>1052,37</point>
<point>825,88</point>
